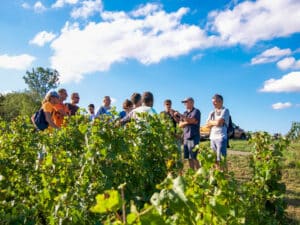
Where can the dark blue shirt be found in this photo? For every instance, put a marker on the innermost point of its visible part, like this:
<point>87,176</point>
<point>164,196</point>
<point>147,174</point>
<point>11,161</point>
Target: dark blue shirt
<point>191,131</point>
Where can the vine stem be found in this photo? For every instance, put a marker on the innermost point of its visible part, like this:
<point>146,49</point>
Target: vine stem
<point>123,205</point>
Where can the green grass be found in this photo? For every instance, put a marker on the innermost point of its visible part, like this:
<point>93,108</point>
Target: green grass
<point>235,145</point>
<point>239,145</point>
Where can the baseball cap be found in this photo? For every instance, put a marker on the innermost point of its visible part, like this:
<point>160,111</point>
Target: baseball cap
<point>53,94</point>
<point>187,99</point>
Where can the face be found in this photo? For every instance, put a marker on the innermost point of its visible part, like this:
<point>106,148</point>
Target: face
<point>189,104</point>
<point>75,98</point>
<point>217,103</point>
<point>106,101</point>
<point>54,100</point>
<point>63,95</point>
<point>91,110</point>
<point>168,106</point>
<point>128,108</point>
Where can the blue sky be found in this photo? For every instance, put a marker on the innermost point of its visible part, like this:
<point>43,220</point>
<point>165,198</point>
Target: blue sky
<point>248,51</point>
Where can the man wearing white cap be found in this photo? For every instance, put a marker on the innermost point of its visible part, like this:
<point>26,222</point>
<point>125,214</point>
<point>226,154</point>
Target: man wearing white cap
<point>190,122</point>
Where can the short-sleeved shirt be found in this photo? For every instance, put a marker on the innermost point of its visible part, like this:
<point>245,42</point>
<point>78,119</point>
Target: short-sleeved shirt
<point>219,132</point>
<point>103,110</point>
<point>122,114</point>
<point>191,131</point>
<point>133,113</point>
<point>48,107</point>
<point>73,108</point>
<point>144,108</point>
<point>58,115</point>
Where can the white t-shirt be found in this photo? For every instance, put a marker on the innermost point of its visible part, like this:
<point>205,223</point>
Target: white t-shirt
<point>219,132</point>
<point>144,108</point>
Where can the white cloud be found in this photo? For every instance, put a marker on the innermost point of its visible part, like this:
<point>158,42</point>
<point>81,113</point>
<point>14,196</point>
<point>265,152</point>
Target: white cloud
<point>288,63</point>
<point>146,10</point>
<point>281,105</point>
<point>253,21</point>
<point>19,62</point>
<point>88,8</point>
<point>288,83</point>
<point>42,38</point>
<point>25,5</point>
<point>62,3</point>
<point>270,55</point>
<point>39,7</point>
<point>120,36</point>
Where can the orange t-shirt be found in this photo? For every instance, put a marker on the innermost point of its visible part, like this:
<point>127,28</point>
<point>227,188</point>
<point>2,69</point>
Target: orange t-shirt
<point>60,111</point>
<point>48,107</point>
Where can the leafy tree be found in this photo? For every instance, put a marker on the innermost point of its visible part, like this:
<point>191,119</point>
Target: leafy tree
<point>18,103</point>
<point>294,132</point>
<point>41,80</point>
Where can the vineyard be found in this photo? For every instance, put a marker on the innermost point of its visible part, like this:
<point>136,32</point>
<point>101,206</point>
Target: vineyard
<point>104,173</point>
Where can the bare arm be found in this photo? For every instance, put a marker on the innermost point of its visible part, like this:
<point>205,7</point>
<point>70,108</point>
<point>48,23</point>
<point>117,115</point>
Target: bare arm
<point>49,120</point>
<point>187,121</point>
<point>175,115</point>
<point>219,122</point>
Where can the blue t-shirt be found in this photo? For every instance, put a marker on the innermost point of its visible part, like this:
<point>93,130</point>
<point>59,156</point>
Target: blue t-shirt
<point>103,110</point>
<point>122,114</point>
<point>191,131</point>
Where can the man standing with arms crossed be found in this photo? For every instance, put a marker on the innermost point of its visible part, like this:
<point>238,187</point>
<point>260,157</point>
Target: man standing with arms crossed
<point>190,122</point>
<point>218,121</point>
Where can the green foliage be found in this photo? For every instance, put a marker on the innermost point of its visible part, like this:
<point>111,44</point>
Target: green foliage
<point>264,193</point>
<point>78,178</point>
<point>79,161</point>
<point>41,80</point>
<point>109,201</point>
<point>211,196</point>
<point>294,132</point>
<point>15,104</point>
<point>208,196</point>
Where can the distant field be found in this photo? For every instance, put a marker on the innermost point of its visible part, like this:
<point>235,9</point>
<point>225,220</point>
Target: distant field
<point>237,145</point>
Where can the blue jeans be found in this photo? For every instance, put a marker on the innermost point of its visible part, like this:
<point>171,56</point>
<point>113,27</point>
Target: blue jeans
<point>220,147</point>
<point>189,145</point>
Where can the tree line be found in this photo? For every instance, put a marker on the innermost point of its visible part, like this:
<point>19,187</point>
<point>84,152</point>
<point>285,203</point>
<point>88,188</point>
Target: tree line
<point>39,81</point>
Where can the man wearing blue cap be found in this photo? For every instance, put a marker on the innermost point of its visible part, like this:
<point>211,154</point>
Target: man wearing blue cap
<point>190,122</point>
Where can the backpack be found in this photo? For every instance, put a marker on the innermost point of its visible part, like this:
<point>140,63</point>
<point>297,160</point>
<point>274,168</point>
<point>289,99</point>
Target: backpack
<point>230,129</point>
<point>39,119</point>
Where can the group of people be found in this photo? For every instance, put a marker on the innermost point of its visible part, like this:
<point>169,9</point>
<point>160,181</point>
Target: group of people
<point>189,121</point>
<point>218,120</point>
